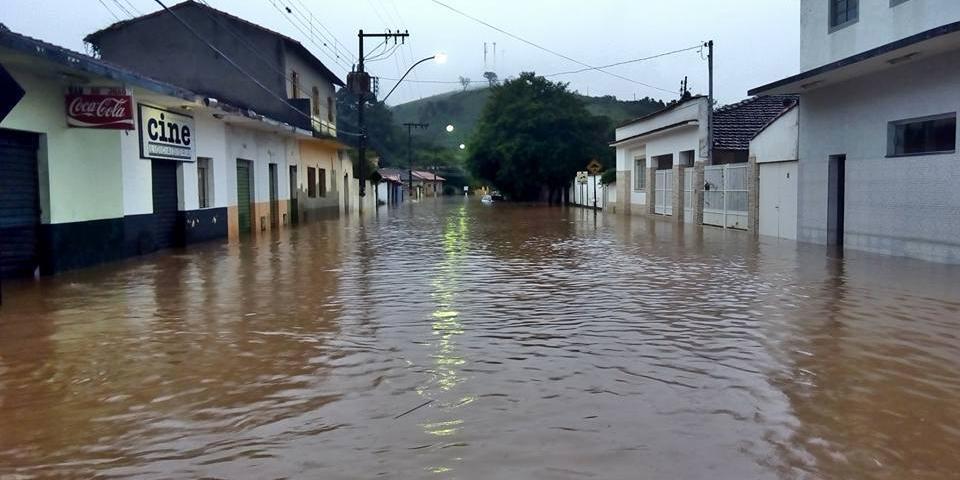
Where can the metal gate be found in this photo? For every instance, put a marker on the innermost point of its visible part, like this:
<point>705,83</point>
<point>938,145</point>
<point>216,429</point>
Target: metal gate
<point>725,196</point>
<point>244,197</point>
<point>688,174</point>
<point>663,187</point>
<point>165,203</point>
<point>19,203</point>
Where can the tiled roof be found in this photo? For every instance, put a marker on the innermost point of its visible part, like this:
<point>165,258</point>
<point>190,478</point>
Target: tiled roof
<point>417,174</point>
<point>736,124</point>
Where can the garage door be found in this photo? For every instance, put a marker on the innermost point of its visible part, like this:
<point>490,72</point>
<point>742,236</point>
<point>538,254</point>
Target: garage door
<point>165,203</point>
<point>778,200</point>
<point>19,203</point>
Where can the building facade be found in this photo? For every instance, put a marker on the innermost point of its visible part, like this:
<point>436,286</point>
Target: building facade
<point>877,143</point>
<point>288,181</point>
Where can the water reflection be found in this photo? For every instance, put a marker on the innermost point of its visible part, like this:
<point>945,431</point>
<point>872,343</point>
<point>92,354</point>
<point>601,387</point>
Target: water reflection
<point>454,340</point>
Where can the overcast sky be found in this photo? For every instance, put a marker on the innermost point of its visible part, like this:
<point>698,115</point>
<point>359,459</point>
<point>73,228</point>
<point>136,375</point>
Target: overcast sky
<point>756,41</point>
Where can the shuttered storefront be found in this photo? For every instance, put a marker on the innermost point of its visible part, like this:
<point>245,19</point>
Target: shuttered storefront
<point>19,204</point>
<point>165,203</point>
<point>243,196</point>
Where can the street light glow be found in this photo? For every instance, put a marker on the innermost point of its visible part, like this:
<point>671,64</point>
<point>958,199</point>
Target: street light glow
<point>463,147</point>
<point>440,58</point>
<point>449,128</point>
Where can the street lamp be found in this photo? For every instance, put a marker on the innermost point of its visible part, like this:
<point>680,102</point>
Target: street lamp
<point>463,147</point>
<point>440,58</point>
<point>449,128</point>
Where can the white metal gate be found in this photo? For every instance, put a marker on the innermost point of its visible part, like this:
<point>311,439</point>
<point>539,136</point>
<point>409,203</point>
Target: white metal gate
<point>725,196</point>
<point>688,195</point>
<point>664,192</point>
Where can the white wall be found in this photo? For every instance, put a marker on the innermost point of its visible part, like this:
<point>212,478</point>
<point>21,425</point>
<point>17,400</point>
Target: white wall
<point>900,205</point>
<point>262,148</point>
<point>878,24</point>
<point>82,166</point>
<point>779,141</point>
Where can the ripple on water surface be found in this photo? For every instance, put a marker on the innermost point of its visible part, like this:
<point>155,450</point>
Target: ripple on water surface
<point>461,341</point>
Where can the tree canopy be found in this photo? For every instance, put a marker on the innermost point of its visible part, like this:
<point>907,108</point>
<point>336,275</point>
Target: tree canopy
<point>533,136</point>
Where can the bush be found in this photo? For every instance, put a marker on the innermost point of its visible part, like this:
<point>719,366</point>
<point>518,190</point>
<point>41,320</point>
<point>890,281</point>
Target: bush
<point>608,176</point>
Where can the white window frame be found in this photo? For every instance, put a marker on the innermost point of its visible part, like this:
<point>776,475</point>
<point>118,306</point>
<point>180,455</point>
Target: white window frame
<point>639,174</point>
<point>205,182</point>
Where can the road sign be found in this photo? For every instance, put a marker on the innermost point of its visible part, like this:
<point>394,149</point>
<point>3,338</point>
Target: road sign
<point>594,167</point>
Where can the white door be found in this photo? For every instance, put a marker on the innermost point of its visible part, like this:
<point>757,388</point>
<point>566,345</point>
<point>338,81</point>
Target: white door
<point>778,200</point>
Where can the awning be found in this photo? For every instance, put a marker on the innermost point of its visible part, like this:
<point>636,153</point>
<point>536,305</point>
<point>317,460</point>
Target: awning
<point>922,45</point>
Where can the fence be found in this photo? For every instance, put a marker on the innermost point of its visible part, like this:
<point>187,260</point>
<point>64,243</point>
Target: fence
<point>583,194</point>
<point>688,174</point>
<point>725,196</point>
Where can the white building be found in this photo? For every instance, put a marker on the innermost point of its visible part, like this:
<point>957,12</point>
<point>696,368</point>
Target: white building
<point>652,153</point>
<point>774,152</point>
<point>877,166</point>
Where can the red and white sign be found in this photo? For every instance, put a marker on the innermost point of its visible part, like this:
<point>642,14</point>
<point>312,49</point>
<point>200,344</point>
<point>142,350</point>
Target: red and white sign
<point>108,108</point>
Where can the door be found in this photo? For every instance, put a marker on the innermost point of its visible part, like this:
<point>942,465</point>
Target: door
<point>294,208</point>
<point>346,193</point>
<point>778,200</point>
<point>19,204</point>
<point>836,194</point>
<point>166,203</point>
<point>244,197</point>
<point>663,192</point>
<point>274,197</point>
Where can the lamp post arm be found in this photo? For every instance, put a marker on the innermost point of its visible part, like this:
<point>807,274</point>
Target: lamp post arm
<point>405,76</point>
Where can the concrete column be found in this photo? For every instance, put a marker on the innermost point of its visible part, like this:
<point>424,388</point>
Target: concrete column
<point>753,195</point>
<point>624,187</point>
<point>651,190</point>
<point>677,193</point>
<point>698,192</point>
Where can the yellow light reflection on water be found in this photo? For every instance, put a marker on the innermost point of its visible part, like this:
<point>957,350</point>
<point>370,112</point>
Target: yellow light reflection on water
<point>447,358</point>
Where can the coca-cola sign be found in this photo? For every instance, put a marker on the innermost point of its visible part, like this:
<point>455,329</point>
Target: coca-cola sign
<point>107,108</point>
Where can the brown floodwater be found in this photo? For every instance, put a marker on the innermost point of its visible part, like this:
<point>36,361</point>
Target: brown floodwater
<point>454,340</point>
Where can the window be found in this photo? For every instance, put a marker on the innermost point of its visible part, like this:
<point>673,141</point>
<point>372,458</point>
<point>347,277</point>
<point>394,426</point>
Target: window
<point>204,182</point>
<point>639,173</point>
<point>686,158</point>
<point>323,182</point>
<point>894,3</point>
<point>311,182</point>
<point>843,13</point>
<point>917,136</point>
<point>663,162</point>
<point>330,109</point>
<point>294,84</point>
<point>315,101</point>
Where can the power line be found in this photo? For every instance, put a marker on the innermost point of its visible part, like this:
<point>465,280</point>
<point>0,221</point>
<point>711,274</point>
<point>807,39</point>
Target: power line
<point>309,36</point>
<point>329,38</point>
<point>545,49</point>
<point>133,8</point>
<point>123,8</point>
<point>102,2</point>
<point>697,47</point>
<point>235,65</point>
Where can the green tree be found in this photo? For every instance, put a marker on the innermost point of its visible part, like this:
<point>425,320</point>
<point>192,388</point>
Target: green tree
<point>533,136</point>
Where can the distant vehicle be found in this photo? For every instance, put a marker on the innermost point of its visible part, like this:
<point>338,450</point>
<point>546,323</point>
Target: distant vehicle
<point>497,196</point>
<point>487,199</point>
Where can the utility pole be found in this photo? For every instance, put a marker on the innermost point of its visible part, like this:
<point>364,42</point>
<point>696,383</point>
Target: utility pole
<point>410,127</point>
<point>710,103</point>
<point>359,81</point>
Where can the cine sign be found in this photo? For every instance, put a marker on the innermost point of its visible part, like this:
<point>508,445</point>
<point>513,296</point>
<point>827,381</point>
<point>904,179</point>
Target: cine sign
<point>165,135</point>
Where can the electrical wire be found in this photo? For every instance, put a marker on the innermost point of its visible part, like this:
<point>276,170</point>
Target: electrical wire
<point>345,66</point>
<point>123,9</point>
<point>625,62</point>
<point>236,66</point>
<point>117,17</point>
<point>545,49</point>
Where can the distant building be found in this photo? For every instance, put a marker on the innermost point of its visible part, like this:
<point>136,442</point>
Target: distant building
<point>877,167</point>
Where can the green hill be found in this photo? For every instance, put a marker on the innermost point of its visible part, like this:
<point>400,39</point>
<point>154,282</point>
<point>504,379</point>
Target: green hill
<point>462,109</point>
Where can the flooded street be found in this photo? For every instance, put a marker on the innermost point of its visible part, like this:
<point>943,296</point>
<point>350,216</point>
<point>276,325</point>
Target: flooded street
<point>454,340</point>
